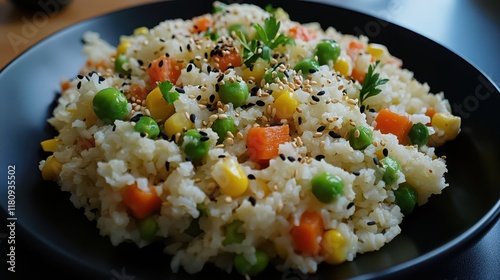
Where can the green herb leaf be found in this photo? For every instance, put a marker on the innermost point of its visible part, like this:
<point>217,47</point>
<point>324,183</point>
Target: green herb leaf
<point>370,84</point>
<point>169,96</point>
<point>267,40</point>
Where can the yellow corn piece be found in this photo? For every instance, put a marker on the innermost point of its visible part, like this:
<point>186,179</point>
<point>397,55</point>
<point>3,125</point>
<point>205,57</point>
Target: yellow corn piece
<point>176,124</point>
<point>342,66</point>
<point>334,247</point>
<point>51,169</point>
<point>122,47</point>
<point>376,50</point>
<point>49,145</point>
<point>281,250</point>
<point>257,71</point>
<point>141,31</point>
<point>230,177</point>
<point>158,107</point>
<point>285,105</point>
<point>448,123</point>
<point>262,185</point>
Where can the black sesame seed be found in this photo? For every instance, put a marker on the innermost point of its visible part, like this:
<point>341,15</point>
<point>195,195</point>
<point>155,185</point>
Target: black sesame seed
<point>180,48</point>
<point>254,90</point>
<point>167,54</point>
<point>172,138</point>
<point>160,64</point>
<point>315,98</point>
<point>282,156</point>
<point>356,173</point>
<point>312,70</point>
<point>143,134</point>
<point>114,127</point>
<point>333,134</point>
<point>321,93</point>
<point>319,157</point>
<point>188,159</point>
<point>269,91</point>
<point>372,110</point>
<point>362,108</point>
<point>198,97</point>
<point>79,85</point>
<point>371,223</point>
<point>251,177</point>
<point>375,160</point>
<point>189,68</point>
<point>206,57</point>
<point>163,135</point>
<point>299,120</point>
<point>217,87</point>
<point>167,165</point>
<point>203,133</point>
<point>209,68</point>
<point>204,138</point>
<point>101,79</point>
<point>252,200</point>
<point>188,47</point>
<point>140,62</point>
<point>350,205</point>
<point>180,90</point>
<point>192,118</point>
<point>162,40</point>
<point>79,76</point>
<point>221,77</point>
<point>321,128</point>
<point>149,65</point>
<point>221,156</point>
<point>385,152</point>
<point>212,98</point>
<point>291,159</point>
<point>121,76</point>
<point>136,118</point>
<point>260,103</point>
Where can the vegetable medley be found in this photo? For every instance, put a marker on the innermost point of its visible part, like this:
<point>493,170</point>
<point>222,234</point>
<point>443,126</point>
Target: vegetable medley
<point>285,98</point>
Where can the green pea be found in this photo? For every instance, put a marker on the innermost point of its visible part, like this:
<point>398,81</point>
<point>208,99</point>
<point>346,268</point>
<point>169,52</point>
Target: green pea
<point>234,92</point>
<point>269,77</point>
<point>222,126</point>
<point>194,145</point>
<point>419,134</point>
<point>406,198</point>
<point>391,168</point>
<point>245,268</point>
<point>110,104</point>
<point>147,125</point>
<point>119,61</point>
<point>360,137</point>
<point>326,51</point>
<point>327,187</point>
<point>232,234</point>
<point>148,228</point>
<point>307,66</point>
<point>238,29</point>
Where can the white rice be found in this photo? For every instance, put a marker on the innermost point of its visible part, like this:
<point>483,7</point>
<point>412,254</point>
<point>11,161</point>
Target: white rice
<point>96,174</point>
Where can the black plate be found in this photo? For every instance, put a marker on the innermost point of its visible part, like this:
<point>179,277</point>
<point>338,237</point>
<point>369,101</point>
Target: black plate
<point>49,227</point>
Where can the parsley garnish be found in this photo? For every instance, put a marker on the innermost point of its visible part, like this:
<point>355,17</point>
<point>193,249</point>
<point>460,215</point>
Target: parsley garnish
<point>268,40</point>
<point>370,84</point>
<point>169,96</point>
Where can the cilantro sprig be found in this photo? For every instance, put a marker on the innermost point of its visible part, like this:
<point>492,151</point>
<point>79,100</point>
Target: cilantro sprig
<point>370,84</point>
<point>169,96</point>
<point>268,39</point>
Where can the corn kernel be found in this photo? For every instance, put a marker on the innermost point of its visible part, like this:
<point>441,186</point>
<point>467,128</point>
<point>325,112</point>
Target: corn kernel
<point>262,185</point>
<point>49,145</point>
<point>176,124</point>
<point>448,123</point>
<point>342,66</point>
<point>285,105</point>
<point>230,177</point>
<point>51,169</point>
<point>376,50</point>
<point>123,47</point>
<point>158,107</point>
<point>257,71</point>
<point>334,247</point>
<point>141,31</point>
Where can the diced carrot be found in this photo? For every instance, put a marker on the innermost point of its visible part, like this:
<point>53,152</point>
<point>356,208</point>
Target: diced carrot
<point>263,142</point>
<point>354,49</point>
<point>302,33</point>
<point>394,123</point>
<point>201,24</point>
<point>97,64</point>
<point>232,58</point>
<point>356,45</point>
<point>164,68</point>
<point>65,85</point>
<point>358,75</point>
<point>307,235</point>
<point>140,203</point>
<point>430,113</point>
<point>138,92</point>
